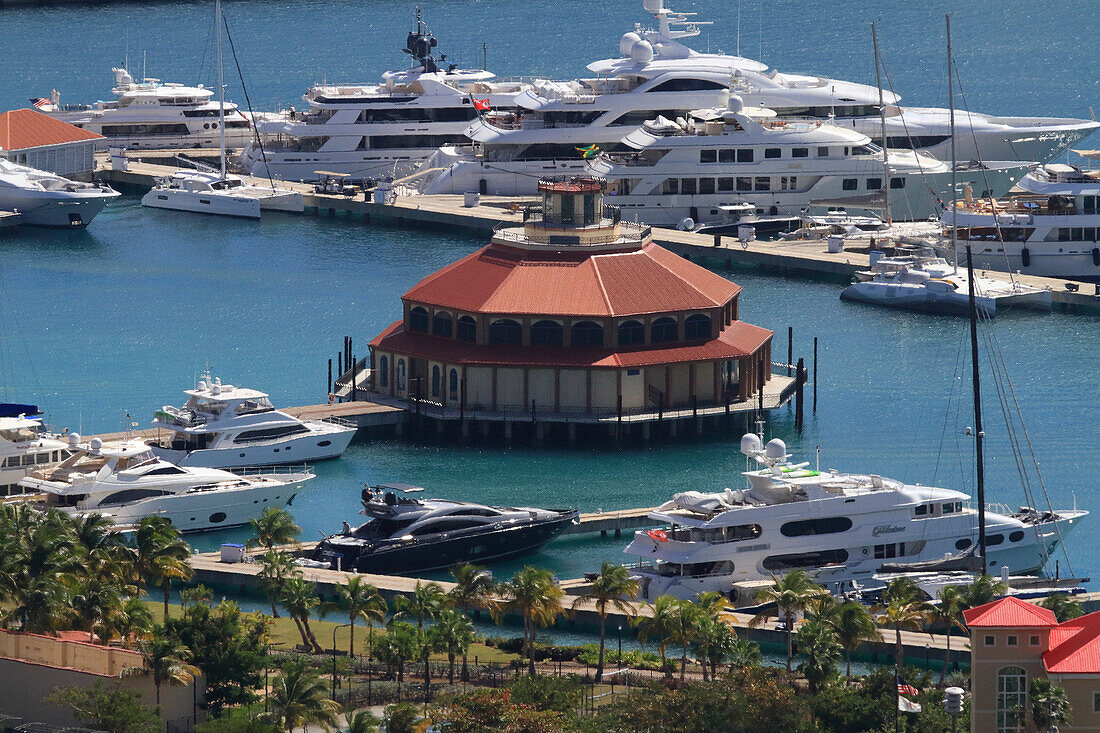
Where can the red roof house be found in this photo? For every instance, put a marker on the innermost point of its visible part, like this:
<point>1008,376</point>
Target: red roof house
<point>28,137</point>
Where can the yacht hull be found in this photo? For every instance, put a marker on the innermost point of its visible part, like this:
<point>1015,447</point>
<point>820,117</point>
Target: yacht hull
<point>204,202</point>
<point>55,208</point>
<point>318,446</point>
<point>1075,261</point>
<point>299,166</point>
<point>916,298</point>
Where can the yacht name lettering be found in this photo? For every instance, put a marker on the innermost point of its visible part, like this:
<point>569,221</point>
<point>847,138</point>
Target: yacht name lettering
<point>886,529</point>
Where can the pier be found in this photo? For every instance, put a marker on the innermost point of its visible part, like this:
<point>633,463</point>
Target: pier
<point>798,258</point>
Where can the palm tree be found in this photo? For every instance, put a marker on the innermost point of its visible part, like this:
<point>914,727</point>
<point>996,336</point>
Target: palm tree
<point>361,721</point>
<point>657,625</point>
<point>613,587</point>
<point>533,594</point>
<point>298,699</point>
<point>853,626</point>
<point>819,642</point>
<point>1049,706</point>
<point>134,621</point>
<point>948,614</point>
<point>299,597</point>
<point>474,590</point>
<point>276,567</point>
<point>685,620</point>
<point>359,600</point>
<point>274,526</point>
<point>401,718</point>
<point>38,556</point>
<point>398,647</point>
<point>713,642</point>
<point>1065,607</point>
<point>196,594</point>
<point>983,590</point>
<point>744,653</point>
<point>425,604</point>
<point>792,593</point>
<point>903,609</point>
<point>94,602</point>
<point>452,634</point>
<point>166,661</point>
<point>160,555</point>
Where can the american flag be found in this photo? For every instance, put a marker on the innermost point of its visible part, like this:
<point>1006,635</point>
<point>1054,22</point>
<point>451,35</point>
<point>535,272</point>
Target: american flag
<point>40,102</point>
<point>904,689</point>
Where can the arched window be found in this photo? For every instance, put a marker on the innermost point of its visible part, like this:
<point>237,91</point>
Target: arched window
<point>384,371</point>
<point>453,385</point>
<point>665,330</point>
<point>436,379</point>
<point>546,333</point>
<point>586,333</point>
<point>1011,698</point>
<point>697,326</point>
<point>631,333</point>
<point>467,329</point>
<point>443,324</point>
<point>402,382</point>
<point>418,319</point>
<point>506,332</point>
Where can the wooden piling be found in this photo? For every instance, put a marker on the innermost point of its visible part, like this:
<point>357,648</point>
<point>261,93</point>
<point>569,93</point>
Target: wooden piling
<point>815,376</point>
<point>790,348</point>
<point>799,381</point>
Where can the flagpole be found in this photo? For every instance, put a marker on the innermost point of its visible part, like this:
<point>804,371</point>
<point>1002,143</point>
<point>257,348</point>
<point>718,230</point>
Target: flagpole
<point>897,696</point>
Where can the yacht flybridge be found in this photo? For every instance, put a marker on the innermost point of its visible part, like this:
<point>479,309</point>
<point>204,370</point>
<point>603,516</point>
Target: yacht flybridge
<point>151,114</point>
<point>372,130</point>
<point>840,527</point>
<point>223,426</point>
<point>680,172</point>
<point>127,483</point>
<point>24,445</point>
<point>657,75</point>
<point>46,199</point>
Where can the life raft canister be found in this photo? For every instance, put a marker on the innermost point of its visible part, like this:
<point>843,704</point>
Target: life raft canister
<point>1025,257</point>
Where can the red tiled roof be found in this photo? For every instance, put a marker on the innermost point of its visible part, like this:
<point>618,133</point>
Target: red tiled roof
<point>1075,647</point>
<point>1010,612</point>
<point>28,128</point>
<point>736,340</point>
<point>505,280</point>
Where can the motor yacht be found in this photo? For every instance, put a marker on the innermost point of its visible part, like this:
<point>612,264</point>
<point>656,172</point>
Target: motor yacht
<point>405,534</point>
<point>128,482</point>
<point>151,114</point>
<point>222,426</point>
<point>1051,229</point>
<point>840,527</point>
<point>928,283</point>
<point>384,129</point>
<point>656,74</point>
<point>680,172</point>
<point>25,444</point>
<point>48,200</point>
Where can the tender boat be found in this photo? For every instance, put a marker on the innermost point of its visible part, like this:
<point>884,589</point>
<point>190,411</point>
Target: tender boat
<point>128,482</point>
<point>25,444</point>
<point>407,535</point>
<point>840,527</point>
<point>48,200</point>
<point>222,426</point>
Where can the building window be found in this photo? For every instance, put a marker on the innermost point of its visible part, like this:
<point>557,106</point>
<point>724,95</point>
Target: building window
<point>1011,698</point>
<point>1096,702</point>
<point>436,379</point>
<point>546,333</point>
<point>586,333</point>
<point>505,332</point>
<point>418,319</point>
<point>453,385</point>
<point>990,641</point>
<point>631,333</point>
<point>665,330</point>
<point>1013,640</point>
<point>697,326</point>
<point>402,382</point>
<point>467,329</point>
<point>443,324</point>
<point>1034,641</point>
<point>383,371</point>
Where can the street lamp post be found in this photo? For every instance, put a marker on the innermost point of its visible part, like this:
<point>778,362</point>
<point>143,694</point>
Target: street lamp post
<point>620,647</point>
<point>334,630</point>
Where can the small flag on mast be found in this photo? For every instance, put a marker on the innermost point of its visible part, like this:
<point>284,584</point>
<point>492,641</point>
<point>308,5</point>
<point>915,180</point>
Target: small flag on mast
<point>908,706</point>
<point>40,102</point>
<point>590,152</point>
<point>482,105</point>
<point>906,689</point>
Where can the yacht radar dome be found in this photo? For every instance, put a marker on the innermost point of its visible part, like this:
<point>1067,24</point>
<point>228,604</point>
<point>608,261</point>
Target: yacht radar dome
<point>202,385</point>
<point>74,440</point>
<point>642,52</point>
<point>750,444</point>
<point>653,6</point>
<point>776,449</point>
<point>627,42</point>
<point>96,444</point>
<point>736,103</point>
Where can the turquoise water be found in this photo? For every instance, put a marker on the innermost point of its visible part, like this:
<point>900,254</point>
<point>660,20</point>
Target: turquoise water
<point>120,318</point>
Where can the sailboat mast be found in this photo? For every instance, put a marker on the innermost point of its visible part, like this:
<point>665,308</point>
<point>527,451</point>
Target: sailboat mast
<point>221,83</point>
<point>882,122</point>
<point>954,189</point>
<point>979,434</point>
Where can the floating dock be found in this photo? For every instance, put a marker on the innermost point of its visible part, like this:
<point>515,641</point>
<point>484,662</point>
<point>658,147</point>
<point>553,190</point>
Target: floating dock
<point>803,258</point>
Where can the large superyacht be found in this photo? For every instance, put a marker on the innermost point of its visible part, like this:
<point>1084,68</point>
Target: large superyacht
<point>371,130</point>
<point>656,74</point>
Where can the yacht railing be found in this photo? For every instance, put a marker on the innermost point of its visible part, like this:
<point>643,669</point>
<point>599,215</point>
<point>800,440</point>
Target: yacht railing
<point>998,508</point>
<point>342,422</point>
<point>262,471</point>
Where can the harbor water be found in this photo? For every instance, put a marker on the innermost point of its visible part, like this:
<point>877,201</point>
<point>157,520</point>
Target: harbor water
<point>100,327</point>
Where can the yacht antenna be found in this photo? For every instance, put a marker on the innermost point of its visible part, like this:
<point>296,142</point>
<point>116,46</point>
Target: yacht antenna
<point>221,84</point>
<point>738,28</point>
<point>144,59</point>
<point>954,193</point>
<point>979,434</point>
<point>882,122</point>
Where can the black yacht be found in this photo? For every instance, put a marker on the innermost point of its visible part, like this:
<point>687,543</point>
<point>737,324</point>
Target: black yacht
<point>410,535</point>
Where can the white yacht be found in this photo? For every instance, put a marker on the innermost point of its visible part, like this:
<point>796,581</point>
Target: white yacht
<point>46,199</point>
<point>841,527</point>
<point>656,74</point>
<point>150,115</point>
<point>925,282</point>
<point>223,426</point>
<point>683,171</point>
<point>1051,229</point>
<point>386,129</point>
<point>24,444</point>
<point>127,483</point>
<point>209,191</point>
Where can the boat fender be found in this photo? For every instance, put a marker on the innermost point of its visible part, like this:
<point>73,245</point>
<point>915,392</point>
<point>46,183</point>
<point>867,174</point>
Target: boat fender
<point>1096,256</point>
<point>744,244</point>
<point>1025,257</point>
<point>331,398</point>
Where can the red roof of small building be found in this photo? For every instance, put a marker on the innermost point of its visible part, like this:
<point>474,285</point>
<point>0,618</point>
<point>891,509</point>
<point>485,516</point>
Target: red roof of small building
<point>499,279</point>
<point>28,128</point>
<point>736,340</point>
<point>1075,647</point>
<point>1010,612</point>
